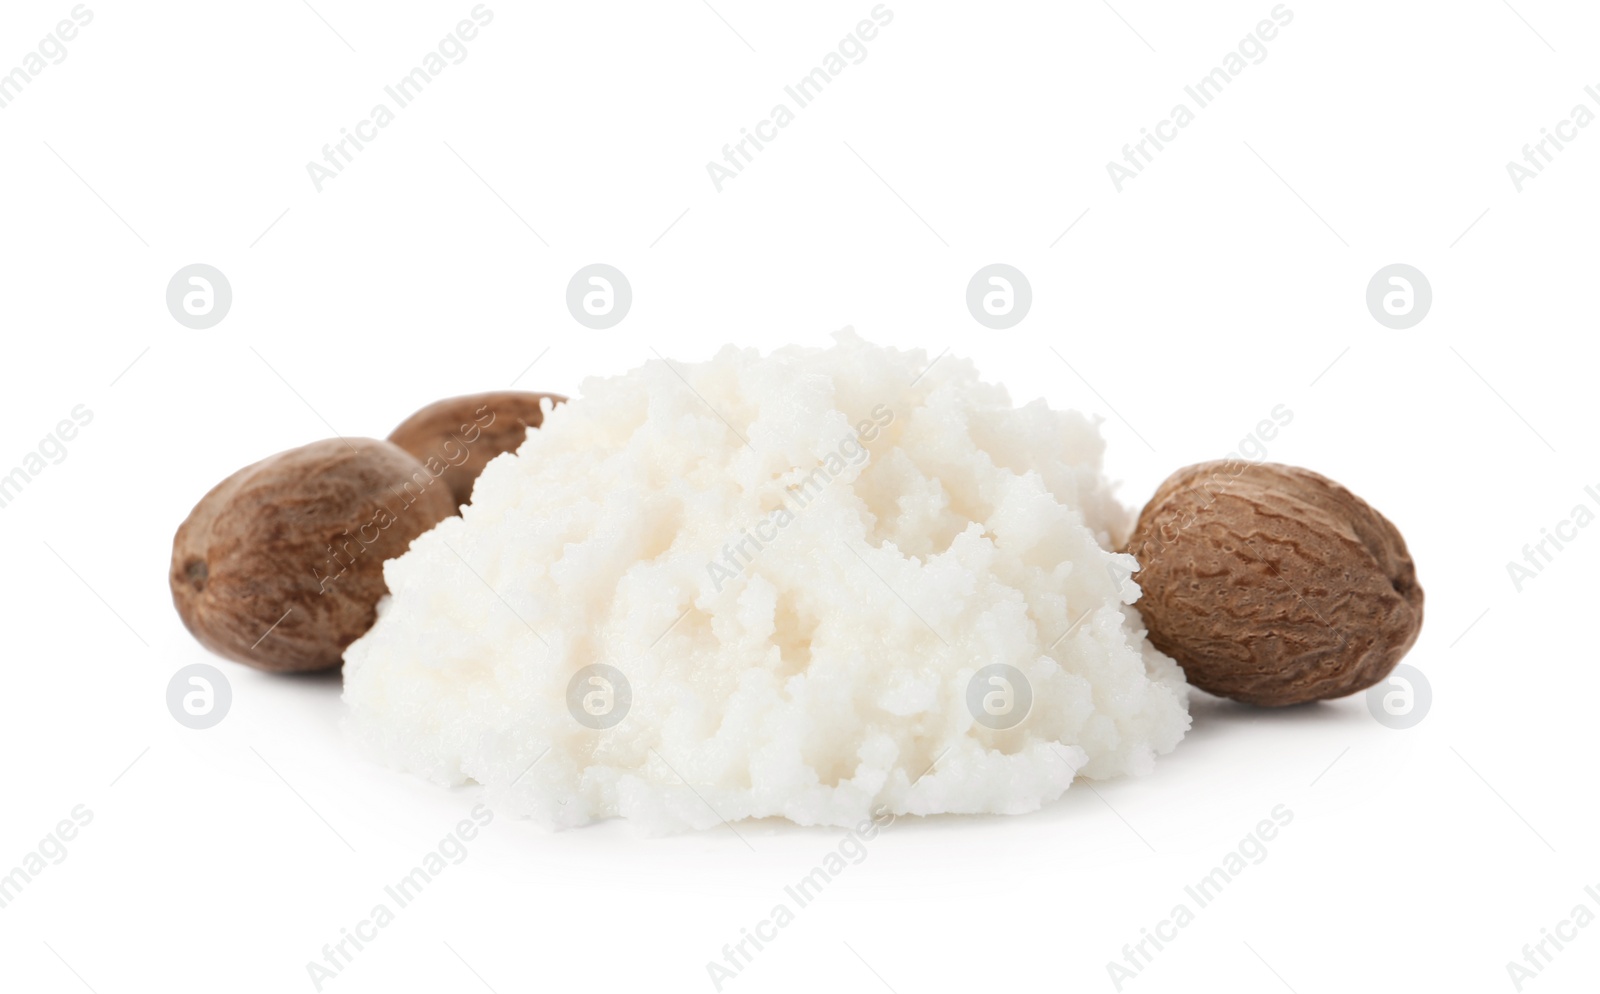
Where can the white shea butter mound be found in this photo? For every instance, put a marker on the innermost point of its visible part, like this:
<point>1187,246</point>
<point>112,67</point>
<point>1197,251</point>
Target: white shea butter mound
<point>797,562</point>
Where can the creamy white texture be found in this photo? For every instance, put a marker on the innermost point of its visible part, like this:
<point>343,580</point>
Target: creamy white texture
<point>798,561</point>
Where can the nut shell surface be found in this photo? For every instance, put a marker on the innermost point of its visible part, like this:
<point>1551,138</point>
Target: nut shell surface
<point>280,566</point>
<point>1272,584</point>
<point>461,434</point>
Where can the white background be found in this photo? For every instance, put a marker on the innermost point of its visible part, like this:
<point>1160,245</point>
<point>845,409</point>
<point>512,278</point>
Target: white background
<point>1226,279</point>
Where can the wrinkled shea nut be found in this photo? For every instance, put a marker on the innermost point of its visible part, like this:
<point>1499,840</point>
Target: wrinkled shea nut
<point>280,566</point>
<point>1273,585</point>
<point>457,437</point>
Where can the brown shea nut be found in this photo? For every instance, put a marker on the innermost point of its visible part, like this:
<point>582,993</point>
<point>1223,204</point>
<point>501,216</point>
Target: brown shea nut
<point>280,566</point>
<point>1273,585</point>
<point>456,438</point>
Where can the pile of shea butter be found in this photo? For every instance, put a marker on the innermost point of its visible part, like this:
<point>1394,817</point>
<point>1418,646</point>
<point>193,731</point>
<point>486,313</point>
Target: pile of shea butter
<point>762,586</point>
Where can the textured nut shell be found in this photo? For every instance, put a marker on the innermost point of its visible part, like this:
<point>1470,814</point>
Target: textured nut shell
<point>1273,585</point>
<point>440,432</point>
<point>254,553</point>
